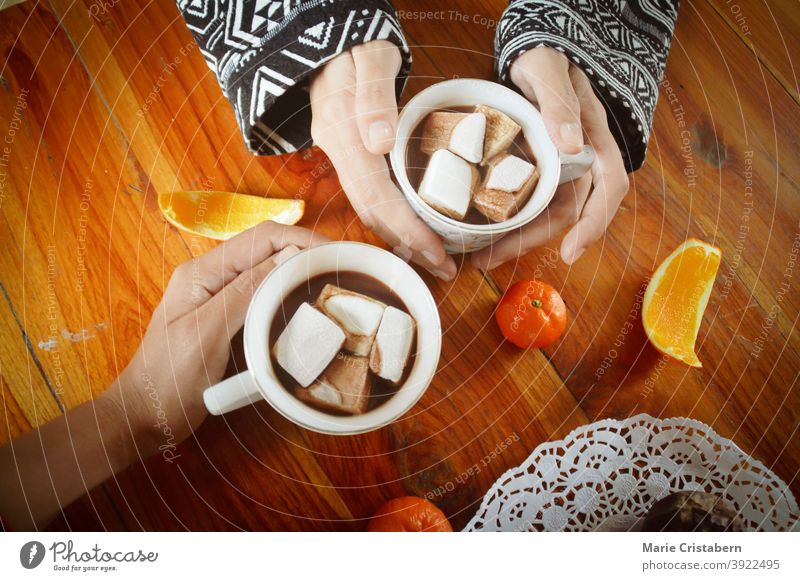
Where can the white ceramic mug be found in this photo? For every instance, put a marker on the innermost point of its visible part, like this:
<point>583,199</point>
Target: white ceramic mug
<point>260,381</point>
<point>554,169</point>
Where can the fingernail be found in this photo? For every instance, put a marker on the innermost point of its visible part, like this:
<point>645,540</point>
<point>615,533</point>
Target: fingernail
<point>571,133</point>
<point>433,258</point>
<point>404,252</point>
<point>577,254</point>
<point>444,275</point>
<point>379,132</point>
<point>285,254</point>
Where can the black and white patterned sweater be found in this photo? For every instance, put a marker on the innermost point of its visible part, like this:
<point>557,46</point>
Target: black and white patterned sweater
<point>263,52</point>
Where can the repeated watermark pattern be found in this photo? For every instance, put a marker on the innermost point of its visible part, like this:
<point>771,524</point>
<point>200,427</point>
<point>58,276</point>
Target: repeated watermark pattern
<point>738,16</point>
<point>198,291</point>
<point>631,321</point>
<point>51,345</point>
<point>474,469</point>
<point>685,134</point>
<point>101,7</point>
<point>14,125</point>
<point>449,16</point>
<point>783,289</point>
<point>651,381</point>
<point>83,222</point>
<point>743,232</point>
<point>169,444</point>
<point>547,262</point>
<point>166,72</point>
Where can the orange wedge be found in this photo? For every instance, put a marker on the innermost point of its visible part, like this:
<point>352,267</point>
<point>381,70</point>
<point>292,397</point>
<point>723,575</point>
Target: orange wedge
<point>676,297</point>
<point>222,215</point>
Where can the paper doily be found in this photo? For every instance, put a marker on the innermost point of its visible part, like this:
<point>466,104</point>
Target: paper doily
<point>607,475</point>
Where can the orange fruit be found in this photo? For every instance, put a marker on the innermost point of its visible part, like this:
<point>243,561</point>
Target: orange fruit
<point>222,215</point>
<point>409,514</point>
<point>531,314</point>
<point>677,296</point>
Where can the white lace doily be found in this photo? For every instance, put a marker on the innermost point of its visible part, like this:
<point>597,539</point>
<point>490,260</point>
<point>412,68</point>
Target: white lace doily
<point>607,475</point>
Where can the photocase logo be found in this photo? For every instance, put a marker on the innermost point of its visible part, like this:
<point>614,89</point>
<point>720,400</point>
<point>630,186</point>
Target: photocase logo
<point>31,554</point>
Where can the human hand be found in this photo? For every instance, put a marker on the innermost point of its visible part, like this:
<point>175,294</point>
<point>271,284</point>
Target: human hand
<point>572,113</point>
<point>354,118</point>
<point>187,344</point>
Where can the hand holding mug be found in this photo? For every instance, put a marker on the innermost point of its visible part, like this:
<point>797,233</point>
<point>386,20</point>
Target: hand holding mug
<point>354,118</point>
<point>573,115</point>
<point>187,343</point>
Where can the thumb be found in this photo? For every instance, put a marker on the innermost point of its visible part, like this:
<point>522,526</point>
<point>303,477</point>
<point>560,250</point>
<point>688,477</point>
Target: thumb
<point>544,78</point>
<point>227,310</point>
<point>377,64</point>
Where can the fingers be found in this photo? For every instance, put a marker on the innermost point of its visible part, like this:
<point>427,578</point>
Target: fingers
<point>383,209</point>
<point>194,282</point>
<point>227,261</point>
<point>610,187</point>
<point>377,64</point>
<point>333,120</point>
<point>564,210</point>
<point>410,238</point>
<point>227,310</point>
<point>366,180</point>
<point>543,76</point>
<point>332,95</point>
<point>610,181</point>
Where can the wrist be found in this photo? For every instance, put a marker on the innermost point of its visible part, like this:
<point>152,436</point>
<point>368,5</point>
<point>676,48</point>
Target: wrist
<point>515,69</point>
<point>124,432</point>
<point>151,422</point>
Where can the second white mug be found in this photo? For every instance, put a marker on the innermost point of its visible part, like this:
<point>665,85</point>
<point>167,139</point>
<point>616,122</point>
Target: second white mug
<point>260,380</point>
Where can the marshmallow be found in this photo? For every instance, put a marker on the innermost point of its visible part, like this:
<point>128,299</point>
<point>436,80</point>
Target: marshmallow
<point>461,133</point>
<point>392,345</point>
<point>438,128</point>
<point>343,387</point>
<point>357,315</point>
<point>501,131</point>
<point>466,139</point>
<point>509,174</point>
<point>448,184</point>
<point>508,184</point>
<point>308,344</point>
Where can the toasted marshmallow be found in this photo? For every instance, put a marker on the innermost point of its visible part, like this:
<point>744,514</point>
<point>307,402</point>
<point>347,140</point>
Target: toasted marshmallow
<point>501,130</point>
<point>461,133</point>
<point>392,345</point>
<point>508,184</point>
<point>344,387</point>
<point>509,174</point>
<point>448,184</point>
<point>308,344</point>
<point>357,315</point>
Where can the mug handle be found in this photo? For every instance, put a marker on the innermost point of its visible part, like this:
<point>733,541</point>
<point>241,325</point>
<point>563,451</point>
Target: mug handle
<point>575,165</point>
<point>231,394</point>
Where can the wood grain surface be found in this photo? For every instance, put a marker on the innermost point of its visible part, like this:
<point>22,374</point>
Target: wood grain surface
<point>104,109</point>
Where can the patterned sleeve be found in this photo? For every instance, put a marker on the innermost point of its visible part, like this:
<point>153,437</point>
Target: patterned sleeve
<point>263,52</point>
<point>622,47</point>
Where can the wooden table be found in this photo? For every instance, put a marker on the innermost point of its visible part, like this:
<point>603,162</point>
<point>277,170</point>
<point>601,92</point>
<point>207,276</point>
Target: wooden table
<point>86,255</point>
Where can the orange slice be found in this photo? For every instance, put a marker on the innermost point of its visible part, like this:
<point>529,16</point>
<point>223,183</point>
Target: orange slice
<point>677,295</point>
<point>222,215</point>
